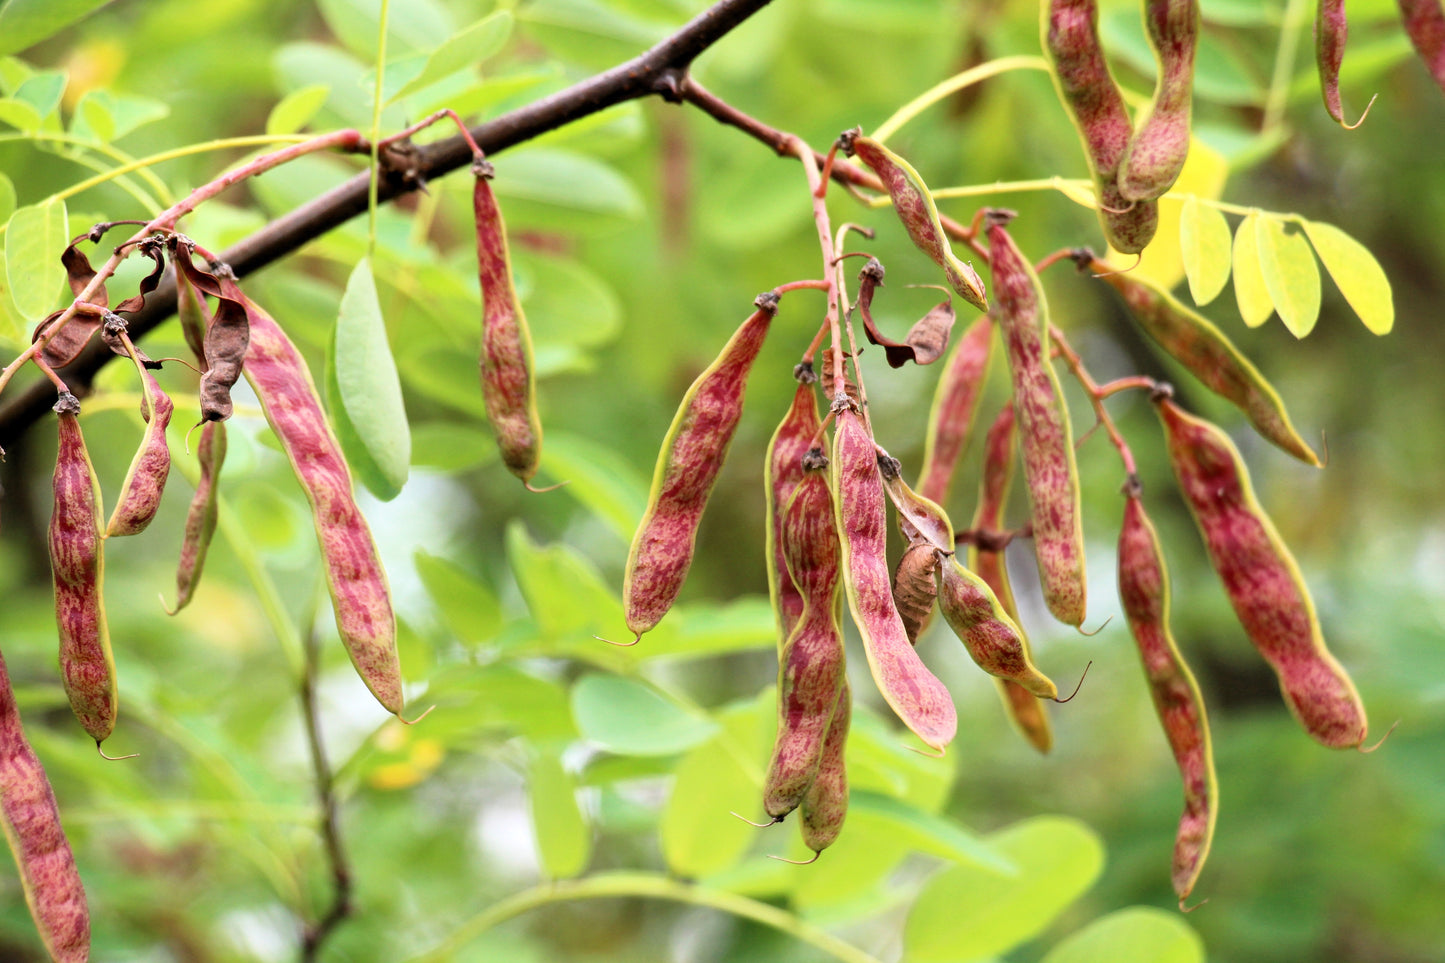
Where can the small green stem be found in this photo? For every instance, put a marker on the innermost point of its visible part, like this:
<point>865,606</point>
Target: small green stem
<point>953,85</point>
<point>1284,59</point>
<point>119,156</point>
<point>647,886</point>
<point>375,132</point>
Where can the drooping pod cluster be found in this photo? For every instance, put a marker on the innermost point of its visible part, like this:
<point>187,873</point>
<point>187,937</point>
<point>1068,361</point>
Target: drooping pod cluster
<point>1160,143</point>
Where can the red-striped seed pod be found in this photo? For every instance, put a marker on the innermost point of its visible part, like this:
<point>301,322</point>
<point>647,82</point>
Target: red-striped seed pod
<point>986,630</point>
<point>913,692</point>
<point>811,665</point>
<point>1192,340</point>
<point>919,518</point>
<point>354,576</point>
<point>825,804</point>
<point>1261,578</point>
<point>201,517</point>
<point>1047,438</point>
<point>145,481</point>
<point>955,403</point>
<point>1425,25</point>
<point>915,208</point>
<point>31,822</point>
<point>914,588</point>
<point>77,562</point>
<point>508,382</point>
<point>1160,144</point>
<point>796,435</point>
<point>687,466</point>
<point>1332,29</point>
<point>1144,592</point>
<point>1024,709</point>
<point>1095,105</point>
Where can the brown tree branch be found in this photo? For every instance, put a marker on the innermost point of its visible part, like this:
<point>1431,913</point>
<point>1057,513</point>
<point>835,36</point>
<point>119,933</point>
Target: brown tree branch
<point>316,933</point>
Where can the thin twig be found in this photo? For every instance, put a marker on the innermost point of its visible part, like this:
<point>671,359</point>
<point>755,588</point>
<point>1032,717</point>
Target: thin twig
<point>316,933</point>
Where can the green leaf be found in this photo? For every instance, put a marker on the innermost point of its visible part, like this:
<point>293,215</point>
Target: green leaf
<point>628,717</point>
<point>453,446</point>
<point>367,381</point>
<point>27,22</point>
<point>475,700</point>
<point>1205,242</point>
<point>20,115</point>
<point>12,325</point>
<point>131,112</point>
<point>468,605</point>
<point>92,118</point>
<point>358,457</point>
<point>416,25</point>
<point>550,188</point>
<point>1250,291</point>
<point>34,240</point>
<point>42,91</point>
<point>1139,934</point>
<point>7,197</point>
<point>968,913</point>
<point>567,597</point>
<point>1290,275</point>
<point>296,109</point>
<point>1356,273</point>
<point>603,481</point>
<point>928,833</point>
<point>564,841</point>
<point>473,45</point>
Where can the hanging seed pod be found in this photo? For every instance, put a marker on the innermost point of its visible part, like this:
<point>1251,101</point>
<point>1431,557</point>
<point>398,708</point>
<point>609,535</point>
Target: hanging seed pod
<point>1425,25</point>
<point>1160,143</point>
<point>811,665</point>
<point>919,519</point>
<point>825,804</point>
<point>145,482</point>
<point>1144,592</point>
<point>915,208</point>
<point>914,693</point>
<point>1261,578</point>
<point>192,313</point>
<point>508,383</point>
<point>986,630</point>
<point>783,468</point>
<point>914,588</point>
<point>688,464</point>
<point>955,403</point>
<point>1047,439</point>
<point>31,821</point>
<point>87,668</point>
<point>1189,338</point>
<point>1331,32</point>
<point>357,583</point>
<point>227,337</point>
<point>1081,77</point>
<point>201,518</point>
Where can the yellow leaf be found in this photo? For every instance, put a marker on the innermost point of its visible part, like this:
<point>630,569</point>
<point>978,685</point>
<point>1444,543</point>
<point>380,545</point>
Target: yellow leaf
<point>1255,305</point>
<point>1204,174</point>
<point>1290,275</point>
<point>1205,242</point>
<point>1356,273</point>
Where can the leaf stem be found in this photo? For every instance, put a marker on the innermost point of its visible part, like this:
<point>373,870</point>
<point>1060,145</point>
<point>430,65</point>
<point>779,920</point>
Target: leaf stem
<point>953,85</point>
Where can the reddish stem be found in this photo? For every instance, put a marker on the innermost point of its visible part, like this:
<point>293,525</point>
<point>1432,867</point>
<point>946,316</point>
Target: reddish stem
<point>1096,397</point>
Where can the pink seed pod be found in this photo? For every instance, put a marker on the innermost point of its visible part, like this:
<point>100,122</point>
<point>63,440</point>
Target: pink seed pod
<point>1193,341</point>
<point>955,403</point>
<point>1425,25</point>
<point>145,482</point>
<point>1261,579</point>
<point>796,435</point>
<point>1160,143</point>
<point>811,665</point>
<point>77,562</point>
<point>825,804</point>
<point>1048,443</point>
<point>1144,592</point>
<point>915,208</point>
<point>201,518</point>
<point>42,854</point>
<point>687,466</point>
<point>508,382</point>
<point>1086,87</point>
<point>1331,32</point>
<point>986,630</point>
<point>357,583</point>
<point>913,692</point>
<point>914,588</point>
<point>919,519</point>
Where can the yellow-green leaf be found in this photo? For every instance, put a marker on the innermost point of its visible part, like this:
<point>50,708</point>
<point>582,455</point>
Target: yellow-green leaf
<point>474,44</point>
<point>34,240</point>
<point>7,198</point>
<point>1356,273</point>
<point>1205,242</point>
<point>1204,175</point>
<point>1255,305</point>
<point>564,841</point>
<point>295,110</point>
<point>12,326</point>
<point>1290,275</point>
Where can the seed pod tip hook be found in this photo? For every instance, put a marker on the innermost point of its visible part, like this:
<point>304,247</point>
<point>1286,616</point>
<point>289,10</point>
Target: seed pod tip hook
<point>1138,258</point>
<point>938,751</point>
<point>134,754</point>
<point>1190,909</point>
<point>411,722</point>
<point>1081,681</point>
<point>550,488</point>
<point>1387,731</point>
<point>1080,628</point>
<point>797,862</point>
<point>622,645</point>
<point>1362,116</point>
<point>770,822</point>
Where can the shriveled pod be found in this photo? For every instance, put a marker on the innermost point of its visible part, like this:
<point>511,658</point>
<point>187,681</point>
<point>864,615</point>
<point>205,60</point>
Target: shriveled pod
<point>913,692</point>
<point>194,318</point>
<point>77,562</point>
<point>687,466</point>
<point>986,629</point>
<point>825,380</point>
<point>825,804</point>
<point>1024,709</point>
<point>1261,579</point>
<point>914,205</point>
<point>354,576</point>
<point>914,588</point>
<point>1192,340</point>
<point>811,665</point>
<point>926,340</point>
<point>1160,143</point>
<point>1046,435</point>
<point>797,434</point>
<point>955,403</point>
<point>1144,592</point>
<point>919,518</point>
<point>31,821</point>
<point>1425,25</point>
<point>1095,105</point>
<point>145,482</point>
<point>201,517</point>
<point>508,382</point>
<point>228,334</point>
